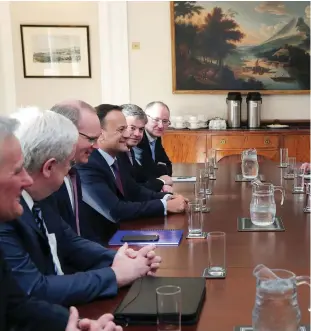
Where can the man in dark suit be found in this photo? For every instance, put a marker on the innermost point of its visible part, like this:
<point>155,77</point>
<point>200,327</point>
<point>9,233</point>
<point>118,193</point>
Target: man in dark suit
<point>150,152</point>
<point>69,195</point>
<point>40,247</point>
<point>136,120</point>
<point>110,192</point>
<point>16,309</point>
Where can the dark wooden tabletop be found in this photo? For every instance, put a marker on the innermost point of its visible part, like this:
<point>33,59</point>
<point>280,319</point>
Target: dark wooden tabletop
<point>229,302</point>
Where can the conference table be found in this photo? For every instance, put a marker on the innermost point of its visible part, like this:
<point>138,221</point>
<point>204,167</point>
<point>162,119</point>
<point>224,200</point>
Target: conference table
<point>229,302</point>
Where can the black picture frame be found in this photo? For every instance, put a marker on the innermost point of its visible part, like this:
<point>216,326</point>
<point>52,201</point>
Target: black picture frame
<point>56,51</point>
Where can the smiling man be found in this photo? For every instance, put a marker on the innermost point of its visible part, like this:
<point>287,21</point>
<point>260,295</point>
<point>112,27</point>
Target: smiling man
<point>109,191</point>
<point>16,309</point>
<point>136,120</point>
<point>69,195</point>
<point>150,151</point>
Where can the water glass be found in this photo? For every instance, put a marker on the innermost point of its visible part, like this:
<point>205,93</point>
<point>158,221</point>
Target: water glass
<point>290,170</point>
<point>200,193</point>
<point>168,299</point>
<point>211,157</point>
<point>307,208</point>
<point>216,254</point>
<point>299,181</point>
<point>204,176</point>
<point>283,157</point>
<point>195,218</point>
<point>211,169</point>
<point>249,164</point>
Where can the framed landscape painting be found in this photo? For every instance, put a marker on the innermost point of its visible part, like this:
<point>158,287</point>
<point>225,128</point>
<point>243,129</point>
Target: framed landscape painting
<point>221,46</point>
<point>56,51</point>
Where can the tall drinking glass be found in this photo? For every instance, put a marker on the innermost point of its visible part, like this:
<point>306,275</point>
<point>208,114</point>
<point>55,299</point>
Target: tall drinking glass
<point>216,254</point>
<point>168,299</point>
<point>290,170</point>
<point>283,157</point>
<point>195,218</point>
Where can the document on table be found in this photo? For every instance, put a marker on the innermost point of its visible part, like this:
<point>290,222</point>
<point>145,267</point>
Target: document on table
<point>184,179</point>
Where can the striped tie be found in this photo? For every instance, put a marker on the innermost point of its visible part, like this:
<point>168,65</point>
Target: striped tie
<point>37,213</point>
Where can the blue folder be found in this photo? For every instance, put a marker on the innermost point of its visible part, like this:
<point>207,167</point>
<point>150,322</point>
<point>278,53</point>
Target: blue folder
<point>168,237</point>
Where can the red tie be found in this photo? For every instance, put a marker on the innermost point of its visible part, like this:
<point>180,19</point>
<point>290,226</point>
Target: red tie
<point>73,178</point>
<point>116,171</point>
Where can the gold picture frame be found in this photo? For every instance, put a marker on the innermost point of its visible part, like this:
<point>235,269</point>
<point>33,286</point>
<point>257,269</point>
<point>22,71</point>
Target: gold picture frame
<point>189,80</point>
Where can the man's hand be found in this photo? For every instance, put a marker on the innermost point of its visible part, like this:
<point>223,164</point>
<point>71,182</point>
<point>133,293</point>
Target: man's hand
<point>176,204</point>
<point>167,188</point>
<point>154,261</point>
<point>104,323</point>
<point>167,180</point>
<point>128,269</point>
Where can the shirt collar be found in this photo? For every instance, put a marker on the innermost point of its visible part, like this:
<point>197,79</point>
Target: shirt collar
<point>28,199</point>
<point>109,159</point>
<point>151,139</point>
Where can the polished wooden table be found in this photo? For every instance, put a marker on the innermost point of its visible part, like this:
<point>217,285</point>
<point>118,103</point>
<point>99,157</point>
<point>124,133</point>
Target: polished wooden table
<point>229,302</point>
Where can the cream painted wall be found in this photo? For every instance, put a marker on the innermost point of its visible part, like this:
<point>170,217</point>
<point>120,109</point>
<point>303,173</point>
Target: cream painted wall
<point>45,92</point>
<point>151,73</point>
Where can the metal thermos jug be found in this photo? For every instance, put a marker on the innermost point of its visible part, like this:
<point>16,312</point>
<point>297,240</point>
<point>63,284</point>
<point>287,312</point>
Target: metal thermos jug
<point>234,100</point>
<point>253,101</point>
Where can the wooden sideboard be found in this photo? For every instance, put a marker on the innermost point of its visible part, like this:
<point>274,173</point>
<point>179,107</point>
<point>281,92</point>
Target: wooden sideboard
<point>189,146</point>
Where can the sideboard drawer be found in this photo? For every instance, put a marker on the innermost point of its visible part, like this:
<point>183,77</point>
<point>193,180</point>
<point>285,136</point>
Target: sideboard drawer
<point>261,141</point>
<point>228,142</point>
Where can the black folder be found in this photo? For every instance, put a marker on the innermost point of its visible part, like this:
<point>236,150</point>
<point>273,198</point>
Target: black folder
<point>139,305</point>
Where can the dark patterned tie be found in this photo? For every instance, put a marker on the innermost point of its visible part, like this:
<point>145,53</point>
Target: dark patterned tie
<point>73,177</point>
<point>37,213</point>
<point>116,171</point>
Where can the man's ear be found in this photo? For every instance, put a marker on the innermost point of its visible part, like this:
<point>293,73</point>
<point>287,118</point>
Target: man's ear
<point>48,166</point>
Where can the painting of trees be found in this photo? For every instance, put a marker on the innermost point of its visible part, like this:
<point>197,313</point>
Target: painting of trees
<point>213,52</point>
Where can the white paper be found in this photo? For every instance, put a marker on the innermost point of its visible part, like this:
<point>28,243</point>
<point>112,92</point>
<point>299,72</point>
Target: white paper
<point>184,179</point>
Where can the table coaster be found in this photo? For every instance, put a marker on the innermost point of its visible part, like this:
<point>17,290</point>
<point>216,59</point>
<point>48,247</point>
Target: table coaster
<point>245,224</point>
<point>212,178</point>
<point>249,328</point>
<point>298,192</point>
<point>306,210</point>
<point>288,178</point>
<point>240,178</point>
<point>192,236</point>
<point>279,166</point>
<point>208,276</point>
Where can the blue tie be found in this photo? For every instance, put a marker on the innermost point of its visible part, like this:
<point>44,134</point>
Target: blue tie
<point>152,147</point>
<point>37,213</point>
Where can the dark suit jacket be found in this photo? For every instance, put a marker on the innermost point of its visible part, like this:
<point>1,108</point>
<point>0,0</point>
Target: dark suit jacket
<point>139,173</point>
<point>147,162</point>
<point>66,212</point>
<point>27,253</point>
<point>22,313</point>
<point>105,203</point>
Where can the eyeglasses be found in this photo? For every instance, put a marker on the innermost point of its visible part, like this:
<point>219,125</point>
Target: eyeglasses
<point>92,140</point>
<point>158,121</point>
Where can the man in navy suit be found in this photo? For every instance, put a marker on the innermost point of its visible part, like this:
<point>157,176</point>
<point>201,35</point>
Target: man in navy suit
<point>136,120</point>
<point>40,247</point>
<point>17,310</point>
<point>69,200</point>
<point>150,151</point>
<point>110,192</point>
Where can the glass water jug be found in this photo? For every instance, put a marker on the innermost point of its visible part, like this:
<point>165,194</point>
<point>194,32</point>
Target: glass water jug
<point>263,207</point>
<point>249,164</point>
<point>276,306</point>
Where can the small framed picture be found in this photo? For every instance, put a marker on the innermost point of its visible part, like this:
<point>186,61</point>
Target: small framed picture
<point>56,51</point>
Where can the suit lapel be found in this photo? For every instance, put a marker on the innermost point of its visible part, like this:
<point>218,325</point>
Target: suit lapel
<point>102,163</point>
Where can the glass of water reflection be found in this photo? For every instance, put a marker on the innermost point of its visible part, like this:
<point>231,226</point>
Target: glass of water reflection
<point>168,308</point>
<point>216,254</point>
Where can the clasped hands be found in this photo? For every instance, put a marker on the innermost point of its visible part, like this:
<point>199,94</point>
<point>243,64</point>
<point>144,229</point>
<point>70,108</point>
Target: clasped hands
<point>128,264</point>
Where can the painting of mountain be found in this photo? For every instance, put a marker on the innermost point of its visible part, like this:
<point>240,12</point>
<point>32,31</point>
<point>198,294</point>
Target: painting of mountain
<point>241,45</point>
